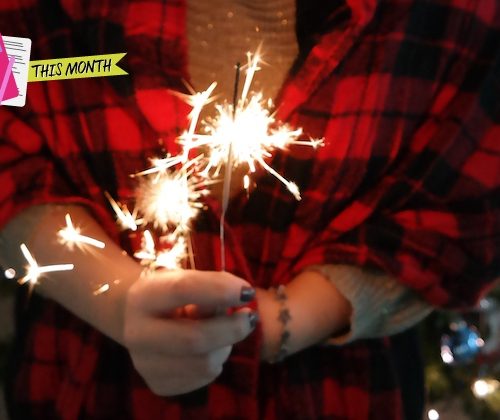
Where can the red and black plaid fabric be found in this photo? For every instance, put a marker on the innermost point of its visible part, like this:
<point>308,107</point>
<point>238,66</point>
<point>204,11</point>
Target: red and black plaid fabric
<point>405,94</point>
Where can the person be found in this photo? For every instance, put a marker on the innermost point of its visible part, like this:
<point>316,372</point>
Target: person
<point>399,209</point>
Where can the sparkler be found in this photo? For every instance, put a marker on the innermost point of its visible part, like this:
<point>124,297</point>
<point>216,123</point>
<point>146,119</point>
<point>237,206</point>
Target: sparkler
<point>71,236</point>
<point>35,271</point>
<point>246,132</point>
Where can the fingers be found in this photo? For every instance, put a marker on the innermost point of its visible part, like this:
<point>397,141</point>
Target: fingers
<point>178,330</point>
<point>179,375</point>
<point>165,291</point>
<point>190,337</point>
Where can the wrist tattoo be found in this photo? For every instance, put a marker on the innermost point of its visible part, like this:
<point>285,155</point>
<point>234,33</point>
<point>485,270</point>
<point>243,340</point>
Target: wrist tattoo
<point>284,318</point>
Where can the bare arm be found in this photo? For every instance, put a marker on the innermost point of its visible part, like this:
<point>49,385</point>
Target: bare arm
<point>173,352</point>
<point>318,308</point>
<point>38,227</point>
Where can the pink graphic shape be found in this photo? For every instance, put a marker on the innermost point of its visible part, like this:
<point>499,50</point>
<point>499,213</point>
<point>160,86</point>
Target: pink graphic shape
<point>8,86</point>
<point>6,77</point>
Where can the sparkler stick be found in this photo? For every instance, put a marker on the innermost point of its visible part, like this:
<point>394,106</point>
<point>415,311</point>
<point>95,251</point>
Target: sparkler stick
<point>71,236</point>
<point>35,271</point>
<point>226,189</point>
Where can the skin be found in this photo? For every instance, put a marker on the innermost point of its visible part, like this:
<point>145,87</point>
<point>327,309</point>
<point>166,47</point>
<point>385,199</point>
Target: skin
<point>173,323</point>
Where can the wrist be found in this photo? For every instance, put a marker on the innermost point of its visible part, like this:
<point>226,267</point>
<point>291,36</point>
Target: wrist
<point>317,310</point>
<point>268,315</point>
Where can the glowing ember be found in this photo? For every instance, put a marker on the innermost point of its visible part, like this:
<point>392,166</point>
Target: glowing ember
<point>166,258</point>
<point>71,236</point>
<point>126,219</point>
<point>101,289</point>
<point>147,253</point>
<point>35,271</point>
<point>171,199</point>
<point>172,258</point>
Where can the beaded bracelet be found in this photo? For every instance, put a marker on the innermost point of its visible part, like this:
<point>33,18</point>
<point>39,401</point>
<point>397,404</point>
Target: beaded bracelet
<point>284,318</point>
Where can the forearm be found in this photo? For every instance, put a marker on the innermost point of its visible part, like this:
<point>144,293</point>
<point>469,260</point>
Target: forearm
<point>76,289</point>
<point>340,303</point>
<point>317,310</point>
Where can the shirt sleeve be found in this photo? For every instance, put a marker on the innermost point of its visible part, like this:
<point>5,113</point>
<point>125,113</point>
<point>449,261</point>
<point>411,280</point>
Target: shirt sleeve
<point>29,174</point>
<point>409,178</point>
<point>37,141</point>
<point>381,306</point>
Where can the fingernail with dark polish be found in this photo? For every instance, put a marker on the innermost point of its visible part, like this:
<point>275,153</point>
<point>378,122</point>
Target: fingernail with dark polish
<point>247,294</point>
<point>253,317</point>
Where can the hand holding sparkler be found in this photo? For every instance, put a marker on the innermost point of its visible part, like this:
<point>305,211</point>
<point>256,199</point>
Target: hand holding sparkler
<point>174,349</point>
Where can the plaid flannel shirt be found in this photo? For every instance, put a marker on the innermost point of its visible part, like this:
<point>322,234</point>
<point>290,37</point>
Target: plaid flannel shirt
<point>405,94</point>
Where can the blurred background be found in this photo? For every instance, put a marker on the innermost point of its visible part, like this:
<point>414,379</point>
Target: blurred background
<point>461,355</point>
<point>7,290</point>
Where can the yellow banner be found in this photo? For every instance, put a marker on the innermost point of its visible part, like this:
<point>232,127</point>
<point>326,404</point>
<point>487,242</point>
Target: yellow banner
<point>76,67</point>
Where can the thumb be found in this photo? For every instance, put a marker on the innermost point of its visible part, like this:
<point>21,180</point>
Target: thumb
<point>164,291</point>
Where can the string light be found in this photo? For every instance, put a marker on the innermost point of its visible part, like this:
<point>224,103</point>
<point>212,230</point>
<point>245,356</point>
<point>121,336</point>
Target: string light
<point>433,414</point>
<point>484,387</point>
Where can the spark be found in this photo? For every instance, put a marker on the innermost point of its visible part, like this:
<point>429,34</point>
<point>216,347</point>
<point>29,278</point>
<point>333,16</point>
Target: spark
<point>161,165</point>
<point>147,253</point>
<point>197,100</point>
<point>71,236</point>
<point>173,257</point>
<point>246,182</point>
<point>101,289</point>
<point>35,271</point>
<point>171,199</point>
<point>126,219</point>
<point>10,273</point>
<point>167,258</point>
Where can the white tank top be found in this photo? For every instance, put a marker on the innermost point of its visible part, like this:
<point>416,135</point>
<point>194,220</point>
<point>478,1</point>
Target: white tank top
<point>220,32</point>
